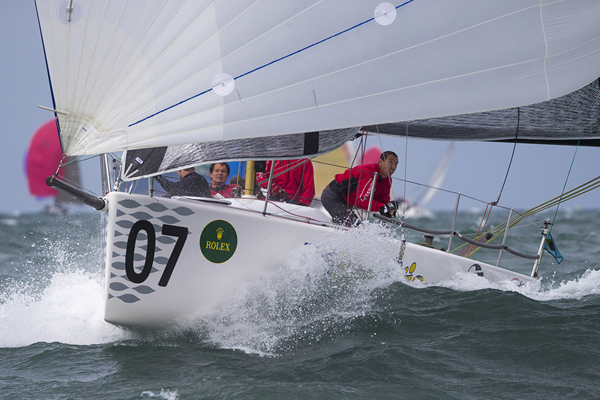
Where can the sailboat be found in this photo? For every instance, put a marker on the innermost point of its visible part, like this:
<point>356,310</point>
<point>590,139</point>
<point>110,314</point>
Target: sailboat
<point>43,157</point>
<point>179,83</point>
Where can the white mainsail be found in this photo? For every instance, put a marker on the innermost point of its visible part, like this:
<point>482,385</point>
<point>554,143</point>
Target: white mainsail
<point>133,74</point>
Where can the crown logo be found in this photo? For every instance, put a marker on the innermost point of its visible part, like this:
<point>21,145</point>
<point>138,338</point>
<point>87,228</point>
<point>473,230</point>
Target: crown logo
<point>220,233</point>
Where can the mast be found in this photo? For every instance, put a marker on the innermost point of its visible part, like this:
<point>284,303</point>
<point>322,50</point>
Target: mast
<point>250,177</point>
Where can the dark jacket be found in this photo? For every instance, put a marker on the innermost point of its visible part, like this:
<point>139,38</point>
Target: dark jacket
<point>193,184</point>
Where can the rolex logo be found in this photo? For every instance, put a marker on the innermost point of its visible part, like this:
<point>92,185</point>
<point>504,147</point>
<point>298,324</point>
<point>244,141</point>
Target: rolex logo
<point>221,248</point>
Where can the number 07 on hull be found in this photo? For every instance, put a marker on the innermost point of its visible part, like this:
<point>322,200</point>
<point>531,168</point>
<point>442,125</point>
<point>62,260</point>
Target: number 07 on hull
<point>169,260</point>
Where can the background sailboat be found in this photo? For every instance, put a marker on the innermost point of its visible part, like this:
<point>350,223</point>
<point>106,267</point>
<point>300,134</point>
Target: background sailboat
<point>416,208</point>
<point>41,161</point>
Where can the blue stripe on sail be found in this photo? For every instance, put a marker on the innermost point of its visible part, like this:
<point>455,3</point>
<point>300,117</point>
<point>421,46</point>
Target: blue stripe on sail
<point>305,48</point>
<point>168,108</point>
<point>266,65</point>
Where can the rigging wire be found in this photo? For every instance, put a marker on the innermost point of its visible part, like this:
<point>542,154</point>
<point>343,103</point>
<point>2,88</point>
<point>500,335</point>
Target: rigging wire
<point>556,201</point>
<point>518,217</point>
<point>576,148</point>
<point>402,231</point>
<point>361,146</point>
<point>392,186</point>
<point>286,168</point>
<point>481,228</point>
<point>489,206</point>
<point>564,196</point>
<point>64,178</point>
<point>512,155</point>
<point>405,169</point>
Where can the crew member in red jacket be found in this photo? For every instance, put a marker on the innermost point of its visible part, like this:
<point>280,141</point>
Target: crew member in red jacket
<point>353,189</point>
<point>219,173</point>
<point>293,181</point>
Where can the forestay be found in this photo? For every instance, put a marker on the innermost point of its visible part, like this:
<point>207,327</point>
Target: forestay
<point>133,74</point>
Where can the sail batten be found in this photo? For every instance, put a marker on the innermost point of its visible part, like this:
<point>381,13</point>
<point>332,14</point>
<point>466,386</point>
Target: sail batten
<point>135,75</point>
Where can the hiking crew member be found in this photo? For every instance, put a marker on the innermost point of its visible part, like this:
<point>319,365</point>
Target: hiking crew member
<point>353,189</point>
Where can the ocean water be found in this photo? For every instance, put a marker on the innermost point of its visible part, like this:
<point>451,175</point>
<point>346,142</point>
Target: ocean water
<point>332,321</point>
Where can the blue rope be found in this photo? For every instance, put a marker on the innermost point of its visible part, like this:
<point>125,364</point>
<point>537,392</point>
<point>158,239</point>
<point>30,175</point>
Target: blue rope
<point>268,64</point>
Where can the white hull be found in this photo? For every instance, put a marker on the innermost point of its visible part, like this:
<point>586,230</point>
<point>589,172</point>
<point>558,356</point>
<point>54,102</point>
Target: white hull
<point>192,269</point>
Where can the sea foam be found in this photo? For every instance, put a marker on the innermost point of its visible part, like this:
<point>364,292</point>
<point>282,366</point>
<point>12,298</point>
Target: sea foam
<point>68,310</point>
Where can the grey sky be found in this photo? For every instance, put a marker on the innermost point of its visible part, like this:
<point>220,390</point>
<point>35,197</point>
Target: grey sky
<point>538,173</point>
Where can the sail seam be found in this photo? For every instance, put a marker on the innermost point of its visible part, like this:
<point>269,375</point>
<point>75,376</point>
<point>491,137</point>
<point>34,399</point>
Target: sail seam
<point>546,55</point>
<point>269,63</point>
<point>373,94</point>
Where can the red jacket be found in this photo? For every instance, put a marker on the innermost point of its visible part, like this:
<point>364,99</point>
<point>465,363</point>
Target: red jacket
<point>360,181</point>
<point>225,191</point>
<point>298,182</point>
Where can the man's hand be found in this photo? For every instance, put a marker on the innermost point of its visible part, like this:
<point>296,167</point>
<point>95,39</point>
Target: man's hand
<point>277,193</point>
<point>389,210</point>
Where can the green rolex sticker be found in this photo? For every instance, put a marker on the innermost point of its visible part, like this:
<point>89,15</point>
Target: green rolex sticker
<point>218,241</point>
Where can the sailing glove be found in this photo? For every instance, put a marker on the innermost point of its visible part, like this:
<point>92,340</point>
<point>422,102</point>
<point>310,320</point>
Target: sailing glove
<point>389,210</point>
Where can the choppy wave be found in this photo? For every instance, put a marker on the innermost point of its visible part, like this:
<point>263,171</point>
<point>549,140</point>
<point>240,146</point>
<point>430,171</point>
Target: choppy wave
<point>333,319</point>
<point>53,293</point>
<point>318,292</point>
<point>163,394</point>
<point>68,310</point>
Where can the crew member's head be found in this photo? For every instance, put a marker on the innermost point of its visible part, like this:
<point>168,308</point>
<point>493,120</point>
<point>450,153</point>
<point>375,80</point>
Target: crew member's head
<point>183,172</point>
<point>237,181</point>
<point>388,162</point>
<point>218,173</point>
